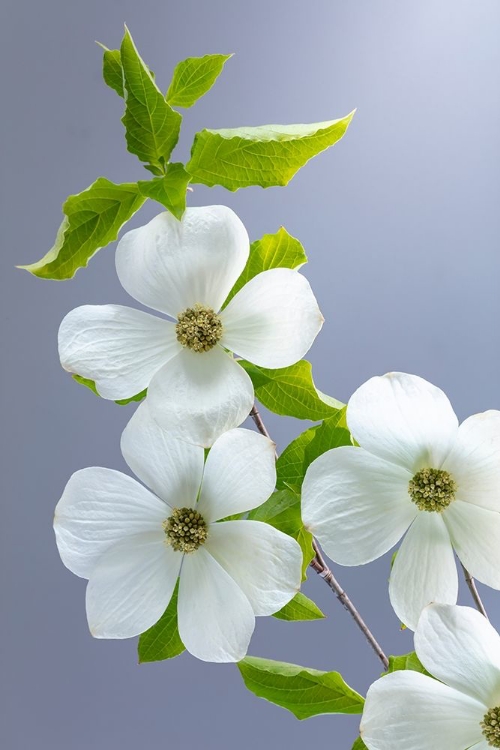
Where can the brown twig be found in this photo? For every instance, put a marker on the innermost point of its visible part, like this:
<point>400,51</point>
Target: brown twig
<point>319,565</point>
<point>474,592</point>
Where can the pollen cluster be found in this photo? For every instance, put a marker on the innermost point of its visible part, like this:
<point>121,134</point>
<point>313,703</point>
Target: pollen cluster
<point>185,530</point>
<point>491,726</point>
<point>199,328</point>
<point>432,490</point>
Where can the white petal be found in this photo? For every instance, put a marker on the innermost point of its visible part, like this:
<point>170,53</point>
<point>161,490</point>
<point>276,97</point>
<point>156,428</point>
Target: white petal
<point>403,419</point>
<point>198,396</point>
<point>171,468</point>
<point>171,265</point>
<point>474,461</point>
<point>265,563</point>
<point>118,347</point>
<point>131,586</point>
<point>424,570</point>
<point>240,474</point>
<point>273,320</point>
<point>475,533</point>
<point>98,508</point>
<point>409,711</point>
<point>458,646</point>
<point>356,504</point>
<point>216,620</point>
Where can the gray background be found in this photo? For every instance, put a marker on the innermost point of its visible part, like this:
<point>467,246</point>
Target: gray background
<point>401,224</point>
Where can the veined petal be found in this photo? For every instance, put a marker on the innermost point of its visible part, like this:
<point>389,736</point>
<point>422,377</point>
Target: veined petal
<point>265,563</point>
<point>240,474</point>
<point>356,504</point>
<point>474,461</point>
<point>475,533</point>
<point>131,586</point>
<point>216,620</point>
<point>98,508</point>
<point>403,419</point>
<point>118,347</point>
<point>273,320</point>
<point>458,646</point>
<point>171,468</point>
<point>171,265</point>
<point>198,396</point>
<point>410,711</point>
<point>424,570</point>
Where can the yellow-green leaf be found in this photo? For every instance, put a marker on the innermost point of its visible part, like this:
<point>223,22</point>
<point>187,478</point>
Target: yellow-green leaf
<point>92,219</point>
<point>267,155</point>
<point>193,77</point>
<point>169,190</point>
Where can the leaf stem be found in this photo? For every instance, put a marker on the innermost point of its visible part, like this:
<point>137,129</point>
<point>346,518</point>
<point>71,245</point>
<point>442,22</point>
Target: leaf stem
<point>474,592</point>
<point>319,565</point>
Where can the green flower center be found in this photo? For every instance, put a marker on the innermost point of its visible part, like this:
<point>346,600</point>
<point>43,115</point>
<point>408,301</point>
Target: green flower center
<point>432,489</point>
<point>185,530</point>
<point>199,328</point>
<point>491,726</point>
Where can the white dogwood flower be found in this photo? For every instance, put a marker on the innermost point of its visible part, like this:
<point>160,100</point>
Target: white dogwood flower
<point>417,470</point>
<point>460,709</point>
<point>132,544</point>
<point>186,270</point>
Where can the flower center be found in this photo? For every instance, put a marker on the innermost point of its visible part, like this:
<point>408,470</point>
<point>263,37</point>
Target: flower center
<point>432,489</point>
<point>185,530</point>
<point>199,328</point>
<point>491,726</point>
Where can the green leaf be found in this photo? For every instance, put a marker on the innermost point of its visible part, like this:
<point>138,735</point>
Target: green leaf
<point>290,391</point>
<point>112,70</point>
<point>267,155</point>
<point>162,641</point>
<point>296,458</point>
<point>92,387</point>
<point>300,608</point>
<point>92,220</point>
<point>282,510</point>
<point>193,78</point>
<point>304,692</point>
<point>406,661</point>
<point>279,250</point>
<point>359,745</point>
<point>169,190</point>
<point>152,126</point>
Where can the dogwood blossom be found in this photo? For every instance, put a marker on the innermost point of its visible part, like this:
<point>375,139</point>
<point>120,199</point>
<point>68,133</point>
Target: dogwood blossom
<point>417,470</point>
<point>186,270</point>
<point>133,543</point>
<point>460,709</point>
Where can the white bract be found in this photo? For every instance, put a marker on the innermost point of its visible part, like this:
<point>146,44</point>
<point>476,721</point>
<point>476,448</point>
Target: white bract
<point>186,270</point>
<point>417,470</point>
<point>132,544</point>
<point>409,710</point>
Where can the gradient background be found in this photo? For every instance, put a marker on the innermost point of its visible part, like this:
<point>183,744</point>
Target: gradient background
<point>401,224</point>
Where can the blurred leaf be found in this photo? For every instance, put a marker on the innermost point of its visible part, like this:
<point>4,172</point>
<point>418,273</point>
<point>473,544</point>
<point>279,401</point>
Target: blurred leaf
<point>162,641</point>
<point>359,745</point>
<point>301,452</point>
<point>92,219</point>
<point>290,391</point>
<point>282,510</point>
<point>304,692</point>
<point>300,608</point>
<point>267,155</point>
<point>92,387</point>
<point>169,190</point>
<point>193,77</point>
<point>151,125</point>
<point>406,661</point>
<point>279,250</point>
